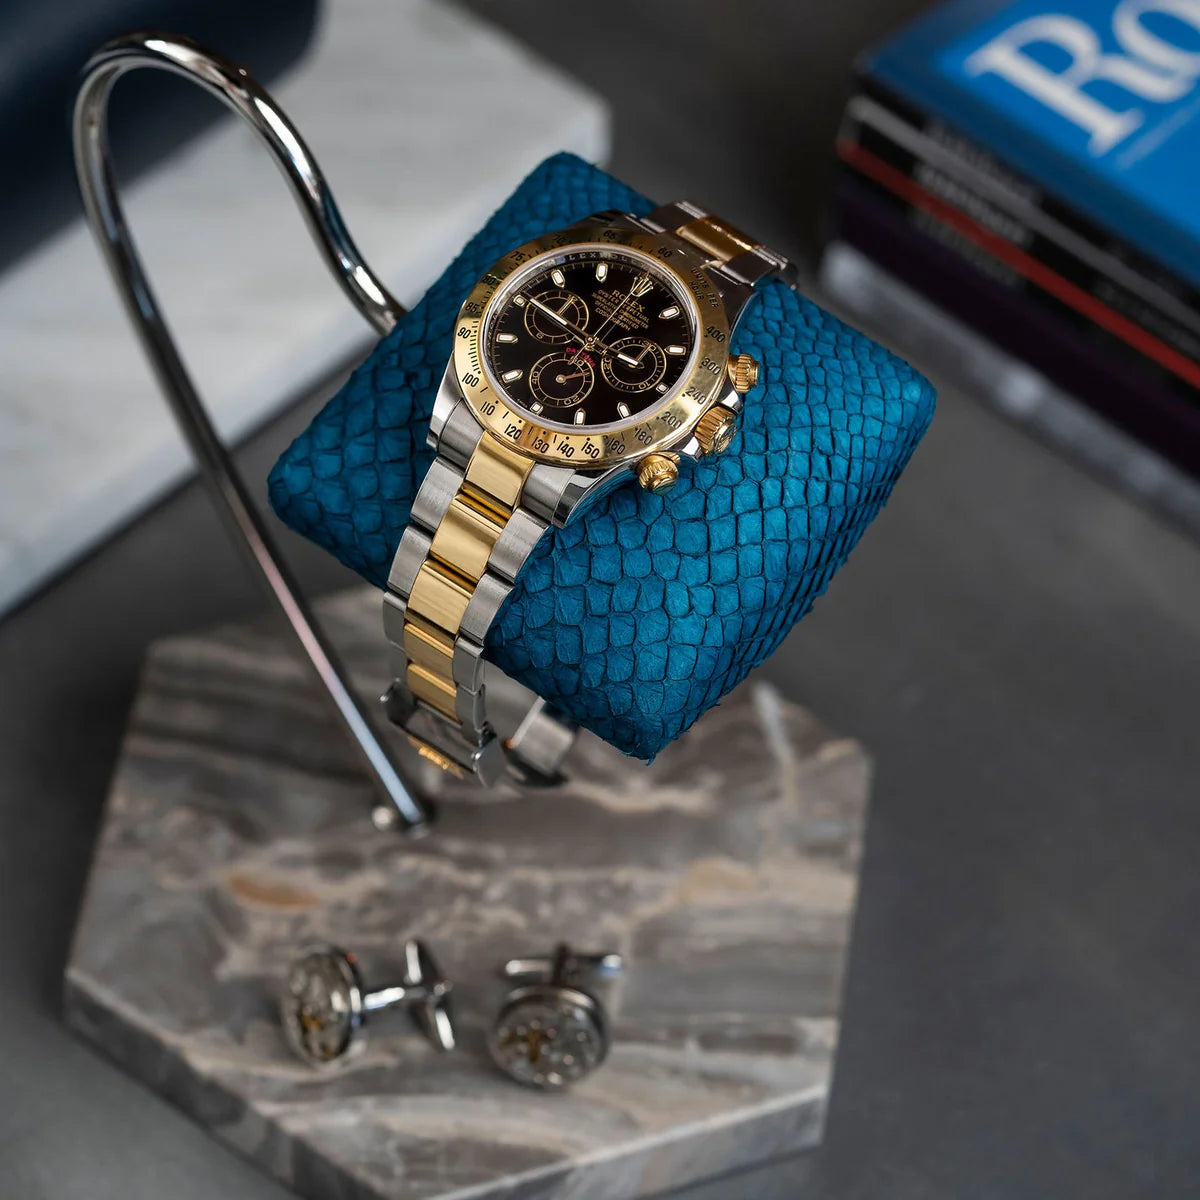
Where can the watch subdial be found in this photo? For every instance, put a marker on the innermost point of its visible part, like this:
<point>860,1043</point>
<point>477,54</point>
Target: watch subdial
<point>634,364</point>
<point>572,308</point>
<point>561,380</point>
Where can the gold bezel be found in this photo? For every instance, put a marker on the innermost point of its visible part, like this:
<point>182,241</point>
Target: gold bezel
<point>667,424</point>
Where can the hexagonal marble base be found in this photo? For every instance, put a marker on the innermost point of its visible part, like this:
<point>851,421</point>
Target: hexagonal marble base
<point>238,831</point>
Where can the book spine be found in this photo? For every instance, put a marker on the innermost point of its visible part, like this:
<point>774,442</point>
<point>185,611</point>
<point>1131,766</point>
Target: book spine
<point>966,200</point>
<point>1114,384</point>
<point>984,169</point>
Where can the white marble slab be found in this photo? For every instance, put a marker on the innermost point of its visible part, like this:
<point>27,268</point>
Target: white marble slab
<point>423,118</point>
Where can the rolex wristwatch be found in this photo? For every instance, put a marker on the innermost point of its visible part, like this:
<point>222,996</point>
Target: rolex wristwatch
<point>584,360</point>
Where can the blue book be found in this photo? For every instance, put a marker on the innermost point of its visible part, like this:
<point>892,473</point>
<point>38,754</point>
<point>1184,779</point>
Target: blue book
<point>1097,101</point>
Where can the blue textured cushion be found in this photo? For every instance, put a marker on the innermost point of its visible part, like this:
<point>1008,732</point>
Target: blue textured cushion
<point>639,617</point>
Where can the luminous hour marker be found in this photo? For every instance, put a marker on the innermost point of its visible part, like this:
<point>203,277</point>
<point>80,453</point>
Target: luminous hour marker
<point>535,407</point>
<point>506,337</point>
<point>668,313</point>
<point>558,277</point>
<point>676,350</point>
<point>662,387</point>
<point>580,416</point>
<point>623,409</point>
<point>518,300</point>
<point>601,271</point>
<point>509,376</point>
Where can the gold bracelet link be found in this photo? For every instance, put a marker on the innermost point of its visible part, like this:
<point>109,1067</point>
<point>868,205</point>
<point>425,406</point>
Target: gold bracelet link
<point>458,558</point>
<point>467,533</point>
<point>718,239</point>
<point>728,250</point>
<point>496,475</point>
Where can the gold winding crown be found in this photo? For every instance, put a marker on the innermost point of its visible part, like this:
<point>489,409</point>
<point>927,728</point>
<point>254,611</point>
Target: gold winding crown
<point>658,472</point>
<point>715,430</point>
<point>743,370</point>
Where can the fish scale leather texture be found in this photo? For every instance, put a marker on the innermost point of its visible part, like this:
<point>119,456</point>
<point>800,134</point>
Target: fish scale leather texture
<point>641,615</point>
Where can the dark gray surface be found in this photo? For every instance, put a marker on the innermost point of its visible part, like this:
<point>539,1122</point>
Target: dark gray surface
<point>1019,647</point>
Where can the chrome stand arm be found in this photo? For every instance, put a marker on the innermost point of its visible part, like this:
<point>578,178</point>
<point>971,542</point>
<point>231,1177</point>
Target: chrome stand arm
<point>97,180</point>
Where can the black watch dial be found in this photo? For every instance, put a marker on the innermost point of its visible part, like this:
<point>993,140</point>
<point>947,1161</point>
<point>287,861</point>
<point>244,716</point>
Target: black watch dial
<point>592,337</point>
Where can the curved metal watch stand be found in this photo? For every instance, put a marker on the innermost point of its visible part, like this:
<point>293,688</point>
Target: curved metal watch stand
<point>237,90</point>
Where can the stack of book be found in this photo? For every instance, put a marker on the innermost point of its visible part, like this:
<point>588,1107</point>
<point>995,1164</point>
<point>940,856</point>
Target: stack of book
<point>1021,182</point>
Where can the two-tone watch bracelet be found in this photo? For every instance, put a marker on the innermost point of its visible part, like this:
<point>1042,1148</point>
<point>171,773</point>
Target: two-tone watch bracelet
<point>475,519</point>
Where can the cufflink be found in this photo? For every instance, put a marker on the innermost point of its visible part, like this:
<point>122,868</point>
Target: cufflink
<point>324,1004</point>
<point>550,1031</point>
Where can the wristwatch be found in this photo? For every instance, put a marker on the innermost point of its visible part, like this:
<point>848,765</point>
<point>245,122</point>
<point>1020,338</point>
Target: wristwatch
<point>583,360</point>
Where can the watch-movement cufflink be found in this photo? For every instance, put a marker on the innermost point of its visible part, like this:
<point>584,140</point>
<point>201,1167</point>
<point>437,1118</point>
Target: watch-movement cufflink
<point>324,1004</point>
<point>550,1032</point>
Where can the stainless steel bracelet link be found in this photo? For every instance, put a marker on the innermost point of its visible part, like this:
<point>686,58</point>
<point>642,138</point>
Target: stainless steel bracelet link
<point>446,717</point>
<point>733,254</point>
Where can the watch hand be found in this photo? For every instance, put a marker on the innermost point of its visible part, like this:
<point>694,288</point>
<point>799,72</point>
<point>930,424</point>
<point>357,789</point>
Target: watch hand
<point>567,325</point>
<point>629,360</point>
<point>549,311</point>
<point>589,340</point>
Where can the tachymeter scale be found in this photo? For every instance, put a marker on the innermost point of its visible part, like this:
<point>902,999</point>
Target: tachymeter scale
<point>589,338</point>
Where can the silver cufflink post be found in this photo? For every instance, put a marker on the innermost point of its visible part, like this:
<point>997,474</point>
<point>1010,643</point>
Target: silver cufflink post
<point>324,1005</point>
<point>550,1030</point>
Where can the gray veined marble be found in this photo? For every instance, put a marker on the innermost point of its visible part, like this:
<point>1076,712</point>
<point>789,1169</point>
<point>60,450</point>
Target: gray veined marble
<point>238,831</point>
